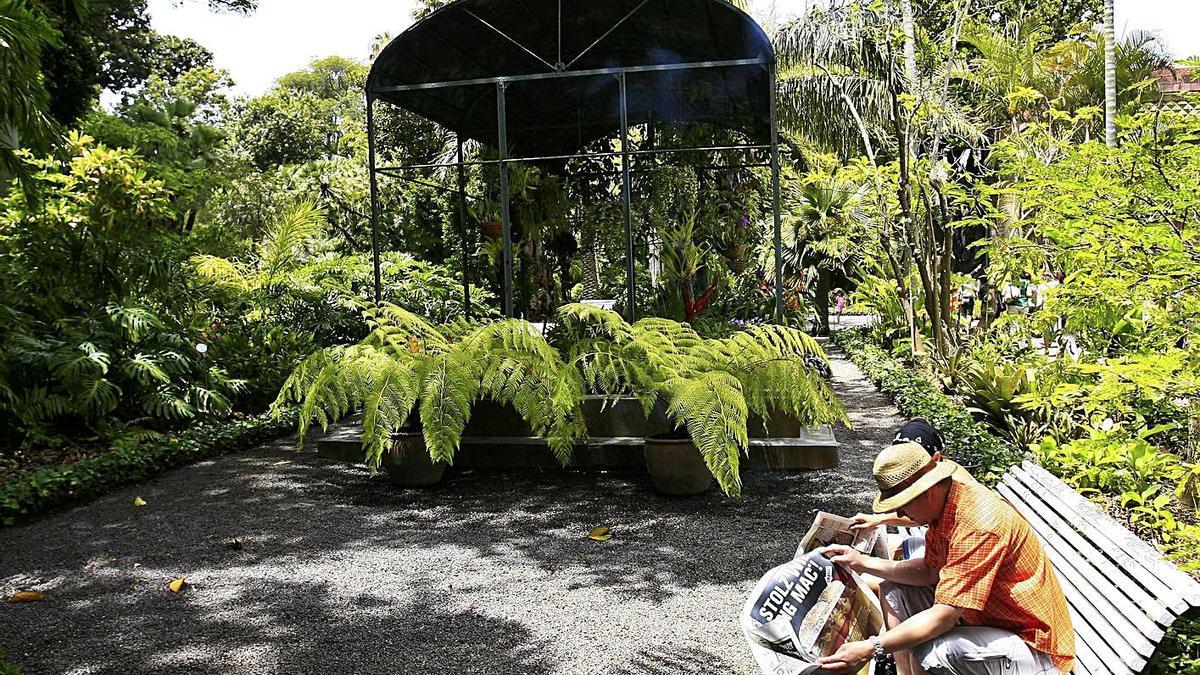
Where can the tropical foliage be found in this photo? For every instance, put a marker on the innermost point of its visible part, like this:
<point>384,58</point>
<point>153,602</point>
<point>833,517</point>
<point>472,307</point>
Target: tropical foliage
<point>708,386</point>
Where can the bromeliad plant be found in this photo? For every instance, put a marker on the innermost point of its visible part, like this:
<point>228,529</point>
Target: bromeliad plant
<point>406,362</point>
<point>709,385</point>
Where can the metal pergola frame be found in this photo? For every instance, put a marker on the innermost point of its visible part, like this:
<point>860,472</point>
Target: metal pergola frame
<point>501,83</point>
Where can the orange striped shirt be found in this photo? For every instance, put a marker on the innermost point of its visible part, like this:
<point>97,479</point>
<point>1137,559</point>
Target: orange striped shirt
<point>993,567</point>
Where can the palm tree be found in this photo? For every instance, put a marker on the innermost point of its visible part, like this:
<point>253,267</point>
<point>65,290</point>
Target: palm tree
<point>823,232</point>
<point>1009,74</point>
<point>835,79</point>
<point>1110,76</point>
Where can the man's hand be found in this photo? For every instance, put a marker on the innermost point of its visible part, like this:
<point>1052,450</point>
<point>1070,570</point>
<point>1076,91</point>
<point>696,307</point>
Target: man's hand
<point>866,521</point>
<point>850,658</point>
<point>845,555</point>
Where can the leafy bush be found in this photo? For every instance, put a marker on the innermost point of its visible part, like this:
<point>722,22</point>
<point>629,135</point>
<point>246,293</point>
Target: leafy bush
<point>32,493</point>
<point>1179,652</point>
<point>103,327</point>
<point>967,441</point>
<point>708,386</point>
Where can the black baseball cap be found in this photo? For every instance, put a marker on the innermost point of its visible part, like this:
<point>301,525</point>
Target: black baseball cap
<point>920,431</point>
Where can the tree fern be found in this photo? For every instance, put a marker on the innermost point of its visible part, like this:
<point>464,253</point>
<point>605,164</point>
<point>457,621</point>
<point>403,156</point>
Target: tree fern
<point>516,365</point>
<point>710,386</point>
<point>451,386</point>
<point>712,407</point>
<point>405,359</point>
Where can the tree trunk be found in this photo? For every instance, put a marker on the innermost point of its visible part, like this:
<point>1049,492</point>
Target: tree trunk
<point>1110,76</point>
<point>591,266</point>
<point>910,61</point>
<point>821,299</point>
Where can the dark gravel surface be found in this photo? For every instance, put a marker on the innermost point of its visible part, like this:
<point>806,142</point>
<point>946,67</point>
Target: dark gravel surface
<point>483,574</point>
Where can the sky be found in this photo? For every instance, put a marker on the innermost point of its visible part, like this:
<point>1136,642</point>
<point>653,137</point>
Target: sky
<point>286,35</point>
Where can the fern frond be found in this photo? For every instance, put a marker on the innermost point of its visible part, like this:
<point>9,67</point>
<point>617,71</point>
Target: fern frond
<point>402,332</point>
<point>392,389</point>
<point>451,386</point>
<point>580,318</point>
<point>714,411</point>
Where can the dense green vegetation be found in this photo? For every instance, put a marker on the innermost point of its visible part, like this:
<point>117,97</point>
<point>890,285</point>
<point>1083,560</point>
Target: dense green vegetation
<point>34,493</point>
<point>1017,262</point>
<point>172,258</point>
<point>170,262</point>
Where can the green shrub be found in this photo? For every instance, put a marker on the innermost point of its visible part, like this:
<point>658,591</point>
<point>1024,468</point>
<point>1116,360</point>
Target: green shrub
<point>102,325</point>
<point>967,441</point>
<point>1179,652</point>
<point>32,493</point>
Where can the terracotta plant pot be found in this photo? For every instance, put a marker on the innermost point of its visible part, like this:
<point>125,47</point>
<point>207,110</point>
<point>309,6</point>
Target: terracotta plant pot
<point>675,465</point>
<point>408,464</point>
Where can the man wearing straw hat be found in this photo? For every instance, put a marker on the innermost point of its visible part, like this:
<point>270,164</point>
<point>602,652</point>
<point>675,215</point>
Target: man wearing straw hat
<point>981,599</point>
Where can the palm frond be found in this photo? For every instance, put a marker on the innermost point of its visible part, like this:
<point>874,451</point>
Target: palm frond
<point>285,238</point>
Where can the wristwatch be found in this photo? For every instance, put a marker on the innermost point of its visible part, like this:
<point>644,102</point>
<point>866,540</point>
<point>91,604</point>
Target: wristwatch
<point>875,642</point>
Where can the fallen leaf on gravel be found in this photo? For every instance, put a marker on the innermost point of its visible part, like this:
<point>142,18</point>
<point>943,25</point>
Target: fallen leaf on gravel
<point>177,585</point>
<point>235,544</point>
<point>136,565</point>
<point>138,501</point>
<point>601,533</point>
<point>27,596</point>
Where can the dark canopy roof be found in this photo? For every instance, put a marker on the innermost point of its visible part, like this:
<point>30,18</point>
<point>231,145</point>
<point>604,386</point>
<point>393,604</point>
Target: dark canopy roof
<point>483,39</point>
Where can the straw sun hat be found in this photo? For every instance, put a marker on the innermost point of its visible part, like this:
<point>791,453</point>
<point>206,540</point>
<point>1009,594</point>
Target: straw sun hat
<point>905,470</point>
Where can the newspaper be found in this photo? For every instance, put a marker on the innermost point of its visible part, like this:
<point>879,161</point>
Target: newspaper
<point>808,607</point>
<point>828,528</point>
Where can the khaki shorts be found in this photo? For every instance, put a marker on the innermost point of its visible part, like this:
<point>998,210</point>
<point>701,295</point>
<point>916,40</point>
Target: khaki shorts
<point>965,650</point>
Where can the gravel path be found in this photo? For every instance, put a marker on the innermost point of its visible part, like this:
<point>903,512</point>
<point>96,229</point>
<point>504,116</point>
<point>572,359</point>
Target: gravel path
<point>483,574</point>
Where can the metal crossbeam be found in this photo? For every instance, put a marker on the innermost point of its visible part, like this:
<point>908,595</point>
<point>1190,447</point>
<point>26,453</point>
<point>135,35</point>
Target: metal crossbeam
<point>508,37</point>
<point>582,155</point>
<point>593,72</point>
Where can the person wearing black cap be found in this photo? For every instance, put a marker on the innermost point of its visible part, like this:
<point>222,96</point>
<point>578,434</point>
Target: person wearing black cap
<point>917,430</point>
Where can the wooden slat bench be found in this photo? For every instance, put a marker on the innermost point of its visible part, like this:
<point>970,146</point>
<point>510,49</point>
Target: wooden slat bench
<point>1122,594</point>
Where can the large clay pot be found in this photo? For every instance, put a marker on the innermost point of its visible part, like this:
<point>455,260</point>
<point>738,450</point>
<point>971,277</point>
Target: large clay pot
<point>675,465</point>
<point>408,464</point>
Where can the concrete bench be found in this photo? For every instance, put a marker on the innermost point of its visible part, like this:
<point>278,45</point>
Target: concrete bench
<point>1122,594</point>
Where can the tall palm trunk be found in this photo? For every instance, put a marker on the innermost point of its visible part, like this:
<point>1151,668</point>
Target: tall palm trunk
<point>910,46</point>
<point>591,268</point>
<point>821,299</point>
<point>1110,76</point>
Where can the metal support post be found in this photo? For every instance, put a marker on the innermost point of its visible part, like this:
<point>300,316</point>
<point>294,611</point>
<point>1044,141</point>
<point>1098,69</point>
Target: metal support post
<point>374,194</point>
<point>627,202</point>
<point>775,203</point>
<point>505,215</point>
<point>462,229</point>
